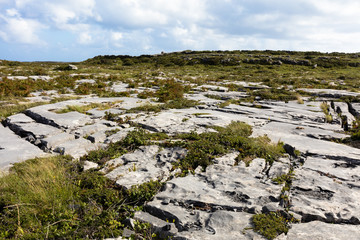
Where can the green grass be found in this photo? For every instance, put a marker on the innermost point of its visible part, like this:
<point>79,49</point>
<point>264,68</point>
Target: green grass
<point>84,108</point>
<point>52,198</point>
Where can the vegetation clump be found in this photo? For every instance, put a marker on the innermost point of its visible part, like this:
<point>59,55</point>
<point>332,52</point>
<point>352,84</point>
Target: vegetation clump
<point>270,225</point>
<point>326,110</point>
<point>53,198</point>
<point>205,147</point>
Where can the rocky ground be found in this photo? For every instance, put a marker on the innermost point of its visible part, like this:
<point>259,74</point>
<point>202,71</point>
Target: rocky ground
<point>219,203</point>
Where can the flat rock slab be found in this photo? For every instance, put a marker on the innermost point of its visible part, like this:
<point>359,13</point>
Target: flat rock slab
<point>321,231</point>
<point>143,165</point>
<point>76,148</point>
<point>316,194</point>
<point>308,139</point>
<point>14,149</point>
<point>23,125</point>
<point>329,93</point>
<point>70,120</point>
<point>186,120</point>
<point>218,203</point>
<point>52,142</point>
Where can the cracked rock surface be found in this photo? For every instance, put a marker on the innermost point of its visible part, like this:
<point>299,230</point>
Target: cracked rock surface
<point>219,202</point>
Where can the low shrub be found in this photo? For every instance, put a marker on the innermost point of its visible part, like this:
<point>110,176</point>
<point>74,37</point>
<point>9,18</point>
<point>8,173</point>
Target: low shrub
<point>204,147</point>
<point>270,225</point>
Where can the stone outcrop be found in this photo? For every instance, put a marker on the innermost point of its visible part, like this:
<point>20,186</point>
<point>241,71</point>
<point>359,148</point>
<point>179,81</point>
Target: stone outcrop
<point>218,203</point>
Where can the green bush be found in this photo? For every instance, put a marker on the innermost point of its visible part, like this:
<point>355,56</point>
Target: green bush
<point>203,148</point>
<point>171,90</point>
<point>270,225</point>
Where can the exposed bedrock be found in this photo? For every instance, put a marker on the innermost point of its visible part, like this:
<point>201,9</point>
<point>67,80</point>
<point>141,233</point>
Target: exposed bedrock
<point>218,203</point>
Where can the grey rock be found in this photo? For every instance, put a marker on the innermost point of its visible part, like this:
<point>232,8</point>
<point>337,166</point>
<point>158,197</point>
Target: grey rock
<point>91,81</point>
<point>217,203</point>
<point>212,87</point>
<point>227,95</point>
<point>119,135</point>
<point>186,120</point>
<point>24,126</point>
<point>90,165</point>
<point>307,139</point>
<point>76,148</point>
<point>13,149</point>
<point>143,165</point>
<point>72,67</point>
<point>52,142</point>
<point>127,233</point>
<point>70,120</point>
<point>316,194</point>
<point>90,129</point>
<point>162,228</point>
<point>321,231</point>
<point>329,93</point>
<point>279,168</point>
<point>228,159</point>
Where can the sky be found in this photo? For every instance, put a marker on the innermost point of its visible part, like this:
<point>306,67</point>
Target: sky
<point>75,30</point>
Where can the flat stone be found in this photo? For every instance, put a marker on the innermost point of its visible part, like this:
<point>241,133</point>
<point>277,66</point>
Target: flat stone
<point>81,81</point>
<point>143,165</point>
<point>162,228</point>
<point>52,142</point>
<point>76,148</point>
<point>320,196</point>
<point>217,203</point>
<point>228,159</point>
<point>14,149</point>
<point>90,165</point>
<point>119,135</point>
<point>90,129</point>
<point>23,126</point>
<point>213,88</point>
<point>329,93</point>
<point>186,120</point>
<point>70,120</point>
<point>321,231</point>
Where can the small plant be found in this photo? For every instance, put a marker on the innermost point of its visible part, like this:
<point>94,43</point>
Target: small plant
<point>325,108</point>
<point>171,90</point>
<point>224,104</point>
<point>143,231</point>
<point>299,99</point>
<point>83,108</point>
<point>270,225</point>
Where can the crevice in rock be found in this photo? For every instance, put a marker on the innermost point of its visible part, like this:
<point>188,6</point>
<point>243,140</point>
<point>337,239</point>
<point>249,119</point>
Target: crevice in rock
<point>318,193</point>
<point>353,111</point>
<point>329,218</point>
<point>40,119</point>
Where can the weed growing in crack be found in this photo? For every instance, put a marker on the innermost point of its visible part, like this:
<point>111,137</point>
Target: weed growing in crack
<point>270,225</point>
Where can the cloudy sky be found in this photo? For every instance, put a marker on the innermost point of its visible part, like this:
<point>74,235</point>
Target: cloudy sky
<point>74,30</point>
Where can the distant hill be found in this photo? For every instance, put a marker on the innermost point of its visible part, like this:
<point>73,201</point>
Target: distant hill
<point>233,58</point>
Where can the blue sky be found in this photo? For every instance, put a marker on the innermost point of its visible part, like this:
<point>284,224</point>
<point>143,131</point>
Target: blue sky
<point>74,30</point>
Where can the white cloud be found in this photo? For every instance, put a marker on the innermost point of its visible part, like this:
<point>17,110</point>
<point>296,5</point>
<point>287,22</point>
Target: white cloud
<point>140,26</point>
<point>85,38</point>
<point>14,28</point>
<point>140,13</point>
<point>116,36</point>
<point>12,12</point>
